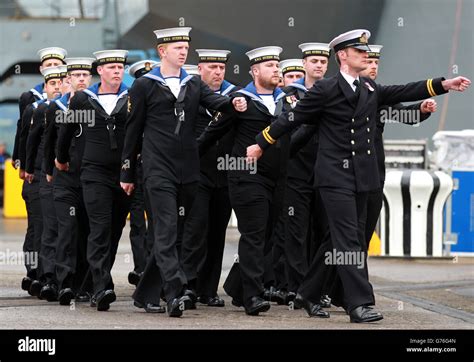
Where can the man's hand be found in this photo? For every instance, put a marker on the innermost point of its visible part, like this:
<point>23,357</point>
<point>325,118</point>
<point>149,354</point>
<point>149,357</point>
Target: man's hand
<point>254,152</point>
<point>459,84</point>
<point>61,166</point>
<point>21,174</point>
<point>29,177</point>
<point>428,106</point>
<point>127,187</point>
<point>240,104</point>
<point>49,178</point>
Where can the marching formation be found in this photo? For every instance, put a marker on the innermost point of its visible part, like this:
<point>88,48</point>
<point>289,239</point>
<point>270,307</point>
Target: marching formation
<point>297,156</point>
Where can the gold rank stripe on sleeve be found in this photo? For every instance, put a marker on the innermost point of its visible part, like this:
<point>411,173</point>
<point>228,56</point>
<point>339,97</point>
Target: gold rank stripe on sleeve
<point>429,85</point>
<point>267,137</point>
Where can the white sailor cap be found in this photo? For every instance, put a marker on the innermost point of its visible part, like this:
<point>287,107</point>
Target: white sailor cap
<point>111,56</point>
<point>352,39</point>
<point>142,67</point>
<point>291,65</point>
<point>264,54</point>
<point>79,64</point>
<point>52,53</point>
<point>51,72</point>
<point>191,69</point>
<point>212,55</point>
<point>375,51</point>
<point>321,49</point>
<point>63,70</point>
<point>172,35</point>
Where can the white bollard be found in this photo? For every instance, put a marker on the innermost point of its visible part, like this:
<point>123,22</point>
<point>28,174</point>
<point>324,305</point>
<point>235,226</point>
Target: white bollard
<point>412,214</point>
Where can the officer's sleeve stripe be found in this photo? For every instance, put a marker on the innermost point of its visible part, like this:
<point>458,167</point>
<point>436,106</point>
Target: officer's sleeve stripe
<point>429,85</point>
<point>267,136</point>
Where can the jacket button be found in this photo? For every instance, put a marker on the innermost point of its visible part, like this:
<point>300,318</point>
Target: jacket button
<point>352,131</point>
<point>367,119</point>
<point>368,140</point>
<point>353,120</point>
<point>368,129</point>
<point>368,152</point>
<point>352,141</point>
<point>353,153</point>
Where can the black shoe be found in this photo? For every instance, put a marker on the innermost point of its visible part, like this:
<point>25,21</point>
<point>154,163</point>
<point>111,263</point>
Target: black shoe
<point>325,301</point>
<point>268,294</point>
<point>176,306</point>
<point>104,299</point>
<point>65,296</point>
<point>134,278</point>
<point>35,288</point>
<point>237,303</point>
<point>26,283</point>
<point>257,305</point>
<point>82,297</point>
<point>313,309</point>
<point>280,296</point>
<point>49,292</point>
<point>211,301</point>
<point>191,303</point>
<point>363,314</point>
<point>150,307</point>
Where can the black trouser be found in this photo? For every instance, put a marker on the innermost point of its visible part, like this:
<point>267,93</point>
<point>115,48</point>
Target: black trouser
<point>374,205</point>
<point>170,204</point>
<point>32,243</point>
<point>252,203</point>
<point>49,238</point>
<point>138,229</point>
<point>107,208</point>
<point>73,230</point>
<point>297,211</point>
<point>204,239</point>
<point>346,212</point>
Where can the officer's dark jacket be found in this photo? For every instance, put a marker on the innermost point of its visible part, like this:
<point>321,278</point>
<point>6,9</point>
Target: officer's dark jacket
<point>103,135</point>
<point>246,126</point>
<point>169,147</point>
<point>56,117</point>
<point>33,95</point>
<point>304,140</point>
<point>211,176</point>
<point>346,157</point>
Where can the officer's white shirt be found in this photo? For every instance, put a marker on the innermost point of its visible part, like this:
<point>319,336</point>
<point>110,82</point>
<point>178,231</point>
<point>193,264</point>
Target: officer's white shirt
<point>269,102</point>
<point>108,102</point>
<point>350,79</point>
<point>173,85</point>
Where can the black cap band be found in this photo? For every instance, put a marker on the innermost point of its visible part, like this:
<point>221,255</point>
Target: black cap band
<point>292,68</point>
<point>207,59</point>
<point>173,39</point>
<point>72,67</point>
<point>53,76</point>
<point>108,60</point>
<point>323,53</point>
<point>264,58</point>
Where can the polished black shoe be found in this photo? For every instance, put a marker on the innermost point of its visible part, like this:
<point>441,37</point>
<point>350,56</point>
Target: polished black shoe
<point>363,314</point>
<point>104,299</point>
<point>49,292</point>
<point>268,293</point>
<point>82,297</point>
<point>35,288</point>
<point>65,296</point>
<point>191,303</point>
<point>325,301</point>
<point>150,307</point>
<point>280,296</point>
<point>176,306</point>
<point>257,305</point>
<point>26,283</point>
<point>134,278</point>
<point>211,301</point>
<point>313,309</point>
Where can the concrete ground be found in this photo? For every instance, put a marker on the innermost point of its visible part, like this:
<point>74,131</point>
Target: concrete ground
<point>411,294</point>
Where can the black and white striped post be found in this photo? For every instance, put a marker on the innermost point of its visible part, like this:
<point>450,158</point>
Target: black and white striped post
<point>412,213</point>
